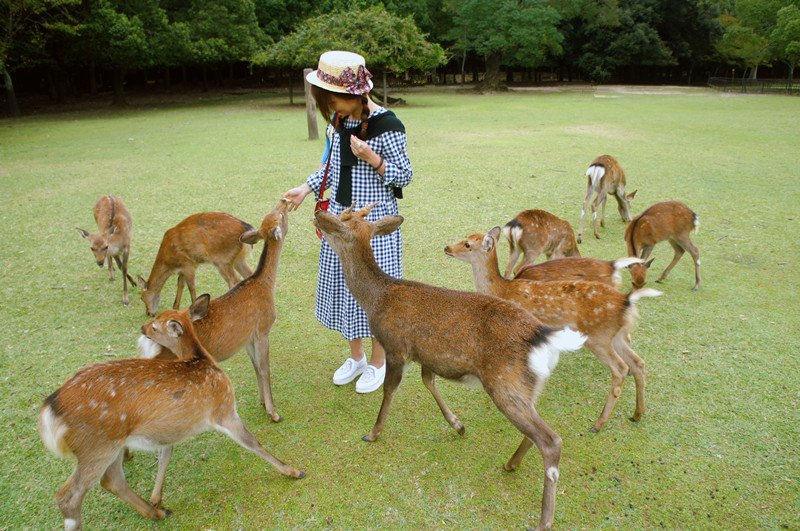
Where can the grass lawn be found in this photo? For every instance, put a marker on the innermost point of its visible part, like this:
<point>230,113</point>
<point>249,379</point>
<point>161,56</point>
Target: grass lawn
<point>719,445</point>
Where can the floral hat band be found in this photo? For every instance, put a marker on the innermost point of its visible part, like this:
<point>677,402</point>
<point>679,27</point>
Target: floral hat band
<point>342,72</point>
<point>352,82</point>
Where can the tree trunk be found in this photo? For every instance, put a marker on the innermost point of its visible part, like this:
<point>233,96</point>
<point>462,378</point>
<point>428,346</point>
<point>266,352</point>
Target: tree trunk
<point>385,90</point>
<point>11,95</point>
<point>119,86</point>
<point>492,80</point>
<point>291,88</point>
<point>754,72</point>
<point>167,79</point>
<point>311,108</point>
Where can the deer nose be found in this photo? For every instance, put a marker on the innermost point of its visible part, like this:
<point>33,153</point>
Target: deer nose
<point>101,264</point>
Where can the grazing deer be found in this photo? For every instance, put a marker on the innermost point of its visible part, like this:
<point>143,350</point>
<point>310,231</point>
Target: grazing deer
<point>579,268</point>
<point>243,317</point>
<point>605,176</point>
<point>142,405</point>
<point>208,237</point>
<point>600,312</point>
<point>670,220</point>
<point>457,335</point>
<point>533,232</point>
<point>113,241</point>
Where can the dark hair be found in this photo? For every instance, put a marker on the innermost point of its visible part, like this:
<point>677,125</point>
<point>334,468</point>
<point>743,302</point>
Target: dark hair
<point>323,99</point>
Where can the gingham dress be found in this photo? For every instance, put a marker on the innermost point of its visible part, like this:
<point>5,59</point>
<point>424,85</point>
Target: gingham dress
<point>335,307</point>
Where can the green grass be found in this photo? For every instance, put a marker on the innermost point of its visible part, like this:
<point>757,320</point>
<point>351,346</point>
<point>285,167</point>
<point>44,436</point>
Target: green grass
<point>717,448</point>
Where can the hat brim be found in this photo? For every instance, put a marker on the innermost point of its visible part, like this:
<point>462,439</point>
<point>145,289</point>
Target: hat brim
<point>314,80</point>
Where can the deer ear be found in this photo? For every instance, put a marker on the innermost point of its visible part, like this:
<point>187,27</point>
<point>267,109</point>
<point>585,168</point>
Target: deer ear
<point>327,223</point>
<point>174,328</point>
<point>386,225</point>
<point>647,265</point>
<point>250,236</point>
<point>488,242</point>
<point>142,283</point>
<point>199,307</point>
<point>631,195</point>
<point>84,233</point>
<point>277,233</point>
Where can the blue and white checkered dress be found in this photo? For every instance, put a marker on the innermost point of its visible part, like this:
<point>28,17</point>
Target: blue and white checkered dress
<point>336,308</point>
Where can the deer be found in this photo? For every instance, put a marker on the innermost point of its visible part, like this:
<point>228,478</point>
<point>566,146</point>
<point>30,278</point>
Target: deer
<point>141,404</point>
<point>462,336</point>
<point>605,176</point>
<point>598,311</point>
<point>112,242</point>
<point>579,268</point>
<point>533,232</point>
<point>668,220</point>
<point>243,317</point>
<point>207,237</point>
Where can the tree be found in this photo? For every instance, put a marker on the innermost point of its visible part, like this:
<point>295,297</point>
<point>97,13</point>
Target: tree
<point>506,32</point>
<point>24,27</point>
<point>388,43</point>
<point>786,37</point>
<point>741,44</point>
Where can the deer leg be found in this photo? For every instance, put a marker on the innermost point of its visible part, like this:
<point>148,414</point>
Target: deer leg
<point>164,457</point>
<point>622,344</point>
<point>595,204</point>
<point>428,379</point>
<point>513,256</point>
<point>228,273</point>
<point>521,411</point>
<point>88,471</point>
<point>258,351</point>
<point>586,199</point>
<point>232,426</point>
<point>110,268</point>
<point>179,292</point>
<point>242,267</point>
<point>188,277</point>
<point>603,210</point>
<point>677,256</point>
<point>528,258</point>
<point>114,481</point>
<point>687,244</point>
<point>619,369</point>
<point>123,266</point>
<point>394,375</point>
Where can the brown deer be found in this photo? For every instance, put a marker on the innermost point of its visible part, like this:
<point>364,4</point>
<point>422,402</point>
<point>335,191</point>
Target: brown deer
<point>533,232</point>
<point>670,220</point>
<point>142,405</point>
<point>113,239</point>
<point>207,237</point>
<point>579,268</point>
<point>600,312</point>
<point>605,176</point>
<point>243,317</point>
<point>457,335</point>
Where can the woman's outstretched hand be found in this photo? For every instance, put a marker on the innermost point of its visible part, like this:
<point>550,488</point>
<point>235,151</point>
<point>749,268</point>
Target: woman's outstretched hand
<point>295,196</point>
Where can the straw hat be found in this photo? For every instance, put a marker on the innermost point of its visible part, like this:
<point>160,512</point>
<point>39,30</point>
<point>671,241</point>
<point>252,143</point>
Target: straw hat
<point>343,72</point>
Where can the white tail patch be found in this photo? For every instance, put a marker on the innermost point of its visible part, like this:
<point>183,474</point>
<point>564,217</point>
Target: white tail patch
<point>148,348</point>
<point>544,358</point>
<point>70,524</point>
<point>595,173</point>
<point>512,235</point>
<point>552,474</point>
<point>52,430</point>
<point>644,292</point>
<point>696,224</point>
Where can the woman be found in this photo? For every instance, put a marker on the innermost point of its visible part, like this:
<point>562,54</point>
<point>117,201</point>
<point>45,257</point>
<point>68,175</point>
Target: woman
<point>368,163</point>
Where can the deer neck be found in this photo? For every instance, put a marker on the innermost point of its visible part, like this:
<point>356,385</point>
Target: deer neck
<point>365,279</point>
<point>268,262</point>
<point>486,275</point>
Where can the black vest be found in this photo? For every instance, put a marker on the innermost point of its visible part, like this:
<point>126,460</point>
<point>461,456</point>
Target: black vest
<point>376,126</point>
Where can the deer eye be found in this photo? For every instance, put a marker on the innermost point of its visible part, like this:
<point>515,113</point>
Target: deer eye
<point>466,245</point>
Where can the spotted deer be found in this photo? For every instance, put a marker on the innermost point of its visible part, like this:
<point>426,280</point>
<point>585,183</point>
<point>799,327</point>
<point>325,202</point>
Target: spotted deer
<point>579,268</point>
<point>605,176</point>
<point>243,317</point>
<point>112,242</point>
<point>671,221</point>
<point>207,237</point>
<point>600,312</point>
<point>141,404</point>
<point>533,232</point>
<point>457,335</point>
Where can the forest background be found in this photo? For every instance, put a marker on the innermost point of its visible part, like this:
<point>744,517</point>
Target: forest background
<point>66,49</point>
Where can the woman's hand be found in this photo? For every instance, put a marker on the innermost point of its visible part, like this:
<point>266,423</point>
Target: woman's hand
<point>362,150</point>
<point>295,196</point>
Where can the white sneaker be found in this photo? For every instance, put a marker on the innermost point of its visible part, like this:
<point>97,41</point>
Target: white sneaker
<point>349,370</point>
<point>371,379</point>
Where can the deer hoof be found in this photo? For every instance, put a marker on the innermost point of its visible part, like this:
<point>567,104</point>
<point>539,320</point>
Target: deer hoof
<point>301,475</point>
<point>460,429</point>
<point>593,430</point>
